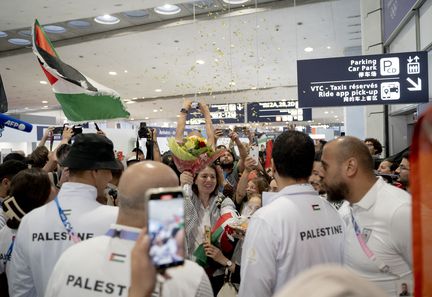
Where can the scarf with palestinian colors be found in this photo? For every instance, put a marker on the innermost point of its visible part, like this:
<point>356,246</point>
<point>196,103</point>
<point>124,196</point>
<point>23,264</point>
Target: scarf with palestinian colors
<point>81,98</point>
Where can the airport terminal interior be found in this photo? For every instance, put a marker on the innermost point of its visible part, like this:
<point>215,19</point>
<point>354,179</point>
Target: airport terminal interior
<point>239,74</point>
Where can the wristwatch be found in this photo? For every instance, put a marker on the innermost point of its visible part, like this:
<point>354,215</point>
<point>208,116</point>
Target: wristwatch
<point>228,263</point>
<point>184,110</point>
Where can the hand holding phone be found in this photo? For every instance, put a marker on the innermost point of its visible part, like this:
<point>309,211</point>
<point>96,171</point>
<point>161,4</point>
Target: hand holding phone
<point>166,226</point>
<point>254,153</point>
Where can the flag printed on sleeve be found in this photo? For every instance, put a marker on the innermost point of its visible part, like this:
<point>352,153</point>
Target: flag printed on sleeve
<point>81,98</point>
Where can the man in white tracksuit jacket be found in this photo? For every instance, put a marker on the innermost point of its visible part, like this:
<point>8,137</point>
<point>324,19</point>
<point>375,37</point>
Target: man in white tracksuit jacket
<point>47,231</point>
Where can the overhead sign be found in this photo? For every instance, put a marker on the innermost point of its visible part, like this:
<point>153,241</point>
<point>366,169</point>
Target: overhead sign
<point>277,111</point>
<point>228,113</point>
<point>363,80</point>
<point>393,12</point>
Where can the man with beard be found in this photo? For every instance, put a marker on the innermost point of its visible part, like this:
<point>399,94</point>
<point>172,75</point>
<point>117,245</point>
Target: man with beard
<point>378,215</point>
<point>403,170</point>
<point>231,169</point>
<point>296,231</point>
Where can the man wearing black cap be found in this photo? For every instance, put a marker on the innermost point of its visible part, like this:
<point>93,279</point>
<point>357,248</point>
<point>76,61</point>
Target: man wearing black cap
<point>73,216</point>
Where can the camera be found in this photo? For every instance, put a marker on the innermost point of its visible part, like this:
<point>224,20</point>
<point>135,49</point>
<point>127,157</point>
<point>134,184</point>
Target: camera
<point>76,129</point>
<point>144,131</point>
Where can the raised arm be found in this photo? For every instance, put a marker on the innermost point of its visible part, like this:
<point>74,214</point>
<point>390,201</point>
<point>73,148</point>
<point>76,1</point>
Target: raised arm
<point>242,150</point>
<point>47,133</point>
<point>250,164</point>
<point>208,124</point>
<point>156,152</point>
<point>181,121</point>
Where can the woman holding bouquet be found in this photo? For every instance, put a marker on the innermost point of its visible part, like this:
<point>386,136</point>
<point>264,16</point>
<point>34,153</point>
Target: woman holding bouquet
<point>207,208</point>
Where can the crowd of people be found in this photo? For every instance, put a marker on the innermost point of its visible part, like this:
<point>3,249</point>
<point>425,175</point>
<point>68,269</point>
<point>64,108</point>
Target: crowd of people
<point>74,220</point>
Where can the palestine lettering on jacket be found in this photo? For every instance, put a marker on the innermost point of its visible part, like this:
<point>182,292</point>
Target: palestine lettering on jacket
<point>57,236</point>
<point>320,232</point>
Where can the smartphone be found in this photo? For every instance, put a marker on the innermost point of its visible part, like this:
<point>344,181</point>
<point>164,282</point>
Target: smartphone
<point>239,130</point>
<point>254,153</point>
<point>166,226</point>
<point>226,132</point>
<point>195,105</point>
<point>96,126</point>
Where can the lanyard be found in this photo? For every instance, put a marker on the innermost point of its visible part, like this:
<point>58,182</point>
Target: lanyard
<point>66,223</point>
<point>380,264</point>
<point>9,251</point>
<point>122,234</point>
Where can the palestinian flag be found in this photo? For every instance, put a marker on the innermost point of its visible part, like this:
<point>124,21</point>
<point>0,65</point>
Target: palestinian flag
<point>217,238</point>
<point>81,98</point>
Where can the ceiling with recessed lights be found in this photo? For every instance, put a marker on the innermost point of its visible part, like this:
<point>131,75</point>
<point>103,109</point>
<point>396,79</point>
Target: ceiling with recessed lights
<point>154,56</point>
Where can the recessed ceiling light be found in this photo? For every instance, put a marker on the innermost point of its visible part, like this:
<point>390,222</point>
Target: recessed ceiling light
<point>25,33</point>
<point>125,71</point>
<point>326,112</point>
<point>106,19</point>
<point>19,41</point>
<point>130,102</point>
<point>3,34</point>
<point>308,49</point>
<point>136,13</point>
<point>336,116</point>
<point>158,90</point>
<point>26,108</point>
<point>146,118</point>
<point>232,83</point>
<point>42,82</point>
<point>155,110</point>
<point>54,29</point>
<point>112,73</point>
<point>167,9</point>
<point>200,62</point>
<point>178,115</point>
<point>78,24</point>
<point>134,98</point>
<point>44,102</point>
<point>132,119</point>
<point>253,88</point>
<point>328,47</point>
<point>235,1</point>
<point>45,106</point>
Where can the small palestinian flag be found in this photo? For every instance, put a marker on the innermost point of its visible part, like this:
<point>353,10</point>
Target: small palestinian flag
<point>216,236</point>
<point>81,98</point>
<point>316,207</point>
<point>115,257</point>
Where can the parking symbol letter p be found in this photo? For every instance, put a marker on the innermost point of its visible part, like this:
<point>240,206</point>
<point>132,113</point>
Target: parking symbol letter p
<point>389,66</point>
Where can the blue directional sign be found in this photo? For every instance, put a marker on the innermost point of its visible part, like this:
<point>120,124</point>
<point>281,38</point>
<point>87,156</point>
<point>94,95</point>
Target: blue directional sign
<point>277,111</point>
<point>228,113</point>
<point>363,80</point>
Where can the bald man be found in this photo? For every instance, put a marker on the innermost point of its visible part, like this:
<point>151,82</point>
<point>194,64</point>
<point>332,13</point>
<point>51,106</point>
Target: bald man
<point>102,265</point>
<point>378,215</point>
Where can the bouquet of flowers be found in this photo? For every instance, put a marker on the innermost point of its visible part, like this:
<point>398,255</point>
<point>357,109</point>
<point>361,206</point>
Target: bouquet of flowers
<point>193,154</point>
